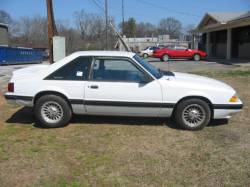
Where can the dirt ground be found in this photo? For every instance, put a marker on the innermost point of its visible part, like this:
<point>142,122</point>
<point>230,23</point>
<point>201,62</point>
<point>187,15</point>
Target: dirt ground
<point>119,151</point>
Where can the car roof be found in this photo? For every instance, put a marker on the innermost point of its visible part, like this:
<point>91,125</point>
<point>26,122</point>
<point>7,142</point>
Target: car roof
<point>105,53</point>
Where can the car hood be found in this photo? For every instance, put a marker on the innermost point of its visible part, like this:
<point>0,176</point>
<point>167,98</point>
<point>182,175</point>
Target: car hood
<point>186,79</point>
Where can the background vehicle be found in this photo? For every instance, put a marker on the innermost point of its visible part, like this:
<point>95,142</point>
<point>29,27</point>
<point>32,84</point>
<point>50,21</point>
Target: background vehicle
<point>148,51</point>
<point>119,84</point>
<point>178,52</point>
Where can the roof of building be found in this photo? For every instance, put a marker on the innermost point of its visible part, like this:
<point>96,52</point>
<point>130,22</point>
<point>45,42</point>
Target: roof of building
<point>4,25</point>
<point>216,19</point>
<point>224,17</point>
<point>246,15</point>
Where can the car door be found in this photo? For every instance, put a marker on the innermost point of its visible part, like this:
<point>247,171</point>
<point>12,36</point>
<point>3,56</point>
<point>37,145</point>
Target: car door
<point>118,86</point>
<point>180,52</point>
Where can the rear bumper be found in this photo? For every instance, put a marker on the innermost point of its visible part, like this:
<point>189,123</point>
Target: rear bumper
<point>19,100</point>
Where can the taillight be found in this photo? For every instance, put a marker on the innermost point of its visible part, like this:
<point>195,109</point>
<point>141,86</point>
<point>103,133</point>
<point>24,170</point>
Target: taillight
<point>11,87</point>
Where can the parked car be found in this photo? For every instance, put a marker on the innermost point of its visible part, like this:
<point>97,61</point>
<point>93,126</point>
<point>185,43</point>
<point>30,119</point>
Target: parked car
<point>171,52</point>
<point>148,51</point>
<point>119,84</point>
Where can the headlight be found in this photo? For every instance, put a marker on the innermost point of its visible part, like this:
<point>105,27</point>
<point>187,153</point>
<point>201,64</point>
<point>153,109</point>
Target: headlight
<point>234,99</point>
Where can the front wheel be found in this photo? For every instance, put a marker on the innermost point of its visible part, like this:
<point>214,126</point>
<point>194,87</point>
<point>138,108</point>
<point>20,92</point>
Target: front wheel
<point>197,57</point>
<point>52,111</point>
<point>145,55</point>
<point>193,114</point>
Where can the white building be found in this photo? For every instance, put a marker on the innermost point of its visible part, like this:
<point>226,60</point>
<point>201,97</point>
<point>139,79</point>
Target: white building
<point>142,43</point>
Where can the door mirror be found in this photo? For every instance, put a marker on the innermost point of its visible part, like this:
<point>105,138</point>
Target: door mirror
<point>144,79</point>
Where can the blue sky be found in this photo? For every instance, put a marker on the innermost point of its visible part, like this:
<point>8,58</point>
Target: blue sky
<point>187,11</point>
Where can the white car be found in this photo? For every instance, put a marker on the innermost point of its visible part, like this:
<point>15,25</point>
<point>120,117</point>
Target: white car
<point>119,84</point>
<point>147,52</point>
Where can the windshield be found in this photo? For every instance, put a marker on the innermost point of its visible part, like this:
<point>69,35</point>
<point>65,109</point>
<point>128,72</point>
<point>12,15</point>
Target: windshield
<point>150,68</point>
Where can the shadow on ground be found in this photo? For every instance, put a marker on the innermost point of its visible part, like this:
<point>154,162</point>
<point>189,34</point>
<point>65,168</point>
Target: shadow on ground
<point>25,116</point>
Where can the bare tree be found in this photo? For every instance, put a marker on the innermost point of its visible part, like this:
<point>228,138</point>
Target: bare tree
<point>91,28</point>
<point>73,38</point>
<point>170,26</point>
<point>30,31</point>
<point>5,17</point>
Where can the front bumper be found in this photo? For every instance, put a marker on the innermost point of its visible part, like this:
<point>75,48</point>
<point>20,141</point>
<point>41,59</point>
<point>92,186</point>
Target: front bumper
<point>19,100</point>
<point>226,111</point>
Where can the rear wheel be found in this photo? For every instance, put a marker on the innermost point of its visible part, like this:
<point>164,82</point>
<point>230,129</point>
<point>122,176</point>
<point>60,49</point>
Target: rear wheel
<point>52,111</point>
<point>165,58</point>
<point>193,114</point>
<point>197,57</point>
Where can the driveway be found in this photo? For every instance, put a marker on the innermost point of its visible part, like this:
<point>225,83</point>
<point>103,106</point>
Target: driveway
<point>190,65</point>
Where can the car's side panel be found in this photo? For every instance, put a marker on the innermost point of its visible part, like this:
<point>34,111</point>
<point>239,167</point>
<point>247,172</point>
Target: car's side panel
<point>73,90</point>
<point>123,98</point>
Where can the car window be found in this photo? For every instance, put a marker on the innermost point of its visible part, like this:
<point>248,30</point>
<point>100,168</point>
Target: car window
<point>78,69</point>
<point>170,47</point>
<point>149,67</point>
<point>180,48</point>
<point>116,70</point>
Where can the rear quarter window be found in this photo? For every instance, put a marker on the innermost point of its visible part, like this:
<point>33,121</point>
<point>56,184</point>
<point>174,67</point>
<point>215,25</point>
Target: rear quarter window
<point>76,70</point>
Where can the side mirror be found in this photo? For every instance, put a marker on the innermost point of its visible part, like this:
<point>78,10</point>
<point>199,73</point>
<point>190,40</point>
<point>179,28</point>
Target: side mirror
<point>144,80</point>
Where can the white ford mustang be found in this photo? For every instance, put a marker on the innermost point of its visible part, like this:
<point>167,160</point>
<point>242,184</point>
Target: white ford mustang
<point>122,84</point>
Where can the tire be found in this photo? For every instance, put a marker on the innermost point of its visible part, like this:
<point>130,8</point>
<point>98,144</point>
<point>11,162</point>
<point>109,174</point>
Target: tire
<point>197,57</point>
<point>52,111</point>
<point>165,58</point>
<point>191,110</point>
<point>145,55</point>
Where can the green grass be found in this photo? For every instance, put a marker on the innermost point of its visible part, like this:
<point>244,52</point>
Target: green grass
<point>236,73</point>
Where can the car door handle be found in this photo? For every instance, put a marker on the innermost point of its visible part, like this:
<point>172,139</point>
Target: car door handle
<point>94,87</point>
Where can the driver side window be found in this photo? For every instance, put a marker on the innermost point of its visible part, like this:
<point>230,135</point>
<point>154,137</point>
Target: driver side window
<point>116,70</point>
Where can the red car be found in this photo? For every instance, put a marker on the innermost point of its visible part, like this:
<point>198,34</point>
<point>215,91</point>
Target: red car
<point>178,52</point>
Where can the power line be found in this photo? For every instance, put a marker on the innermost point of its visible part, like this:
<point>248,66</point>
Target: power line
<point>105,11</point>
<point>98,5</point>
<point>169,9</point>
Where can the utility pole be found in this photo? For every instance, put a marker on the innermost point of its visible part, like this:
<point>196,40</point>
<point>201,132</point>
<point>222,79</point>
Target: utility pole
<point>51,28</point>
<point>106,17</point>
<point>123,18</point>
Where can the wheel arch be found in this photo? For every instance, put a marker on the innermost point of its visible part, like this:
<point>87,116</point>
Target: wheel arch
<point>195,97</point>
<point>165,54</point>
<point>42,93</point>
<point>196,53</point>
